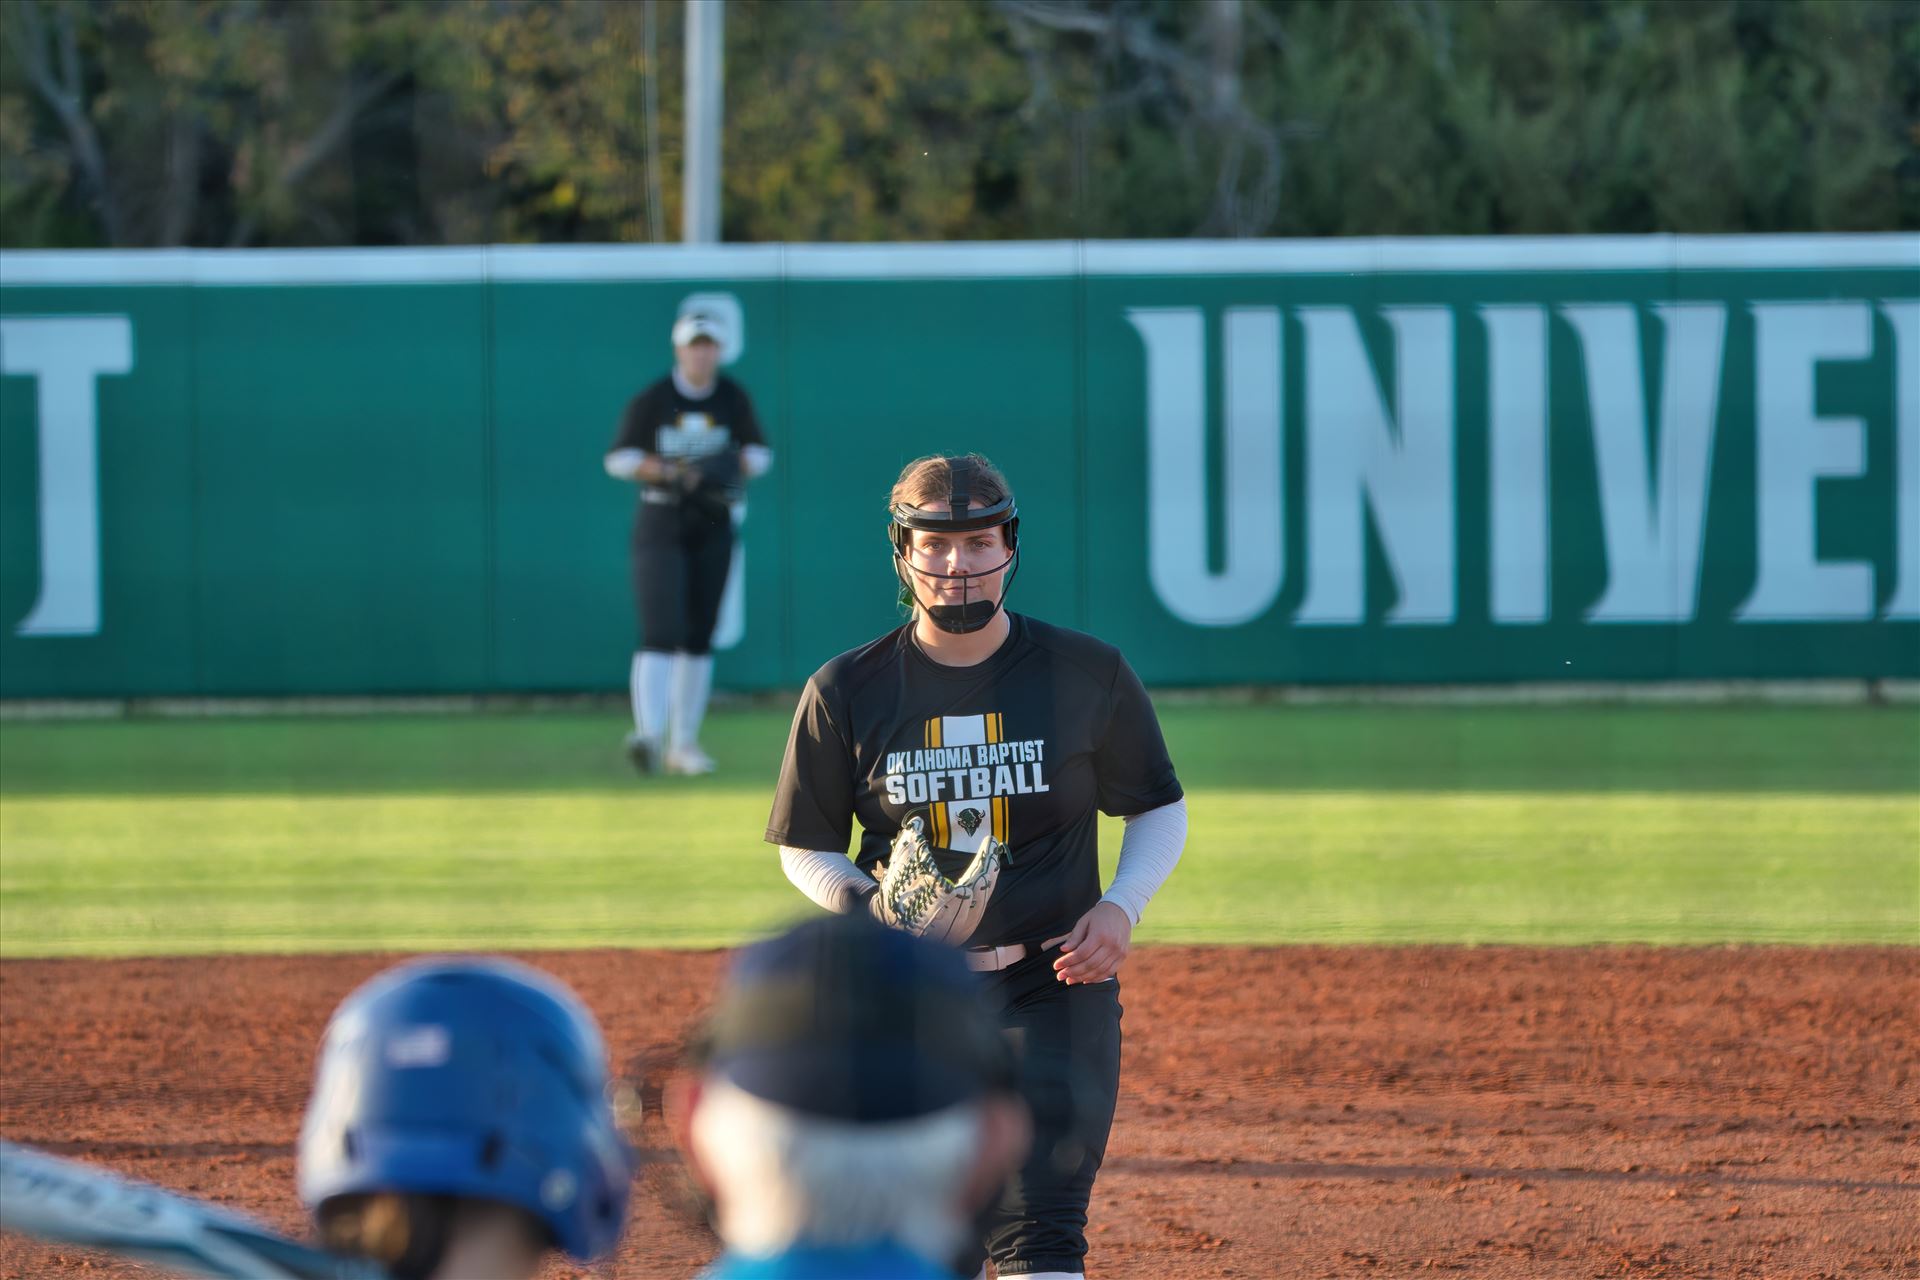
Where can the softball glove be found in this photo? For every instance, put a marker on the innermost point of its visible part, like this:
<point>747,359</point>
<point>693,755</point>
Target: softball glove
<point>915,895</point>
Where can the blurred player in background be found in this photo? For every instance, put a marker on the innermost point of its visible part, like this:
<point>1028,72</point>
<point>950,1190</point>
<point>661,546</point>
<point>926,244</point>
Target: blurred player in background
<point>977,737</point>
<point>854,1107</point>
<point>690,441</point>
<point>459,1127</point>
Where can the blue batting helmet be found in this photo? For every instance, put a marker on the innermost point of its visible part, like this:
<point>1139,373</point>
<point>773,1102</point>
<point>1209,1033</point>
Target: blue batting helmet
<point>480,1078</point>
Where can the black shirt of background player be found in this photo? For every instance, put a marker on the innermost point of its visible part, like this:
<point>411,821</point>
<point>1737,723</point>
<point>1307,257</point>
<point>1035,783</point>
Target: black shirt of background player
<point>1075,731</point>
<point>660,421</point>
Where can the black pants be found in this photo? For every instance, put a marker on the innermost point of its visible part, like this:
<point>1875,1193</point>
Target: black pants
<point>681,553</point>
<point>1067,1040</point>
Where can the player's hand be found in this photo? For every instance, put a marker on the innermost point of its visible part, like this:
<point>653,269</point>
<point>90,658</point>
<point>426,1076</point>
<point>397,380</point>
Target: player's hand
<point>1092,952</point>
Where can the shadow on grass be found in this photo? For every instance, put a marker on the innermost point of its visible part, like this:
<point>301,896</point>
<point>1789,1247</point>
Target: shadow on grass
<point>1852,749</point>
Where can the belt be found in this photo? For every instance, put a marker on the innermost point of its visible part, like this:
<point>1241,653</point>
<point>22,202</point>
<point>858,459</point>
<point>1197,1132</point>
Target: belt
<point>994,959</point>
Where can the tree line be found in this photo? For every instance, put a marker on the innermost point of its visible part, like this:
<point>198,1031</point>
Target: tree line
<point>338,122</point>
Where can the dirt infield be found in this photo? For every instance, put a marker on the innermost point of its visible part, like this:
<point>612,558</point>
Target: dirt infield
<point>1290,1112</point>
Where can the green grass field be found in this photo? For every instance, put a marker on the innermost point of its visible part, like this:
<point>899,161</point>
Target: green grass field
<point>1323,824</point>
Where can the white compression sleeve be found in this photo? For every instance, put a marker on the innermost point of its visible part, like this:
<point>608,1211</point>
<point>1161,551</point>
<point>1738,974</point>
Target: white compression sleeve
<point>1148,850</point>
<point>755,459</point>
<point>830,879</point>
<point>624,464</point>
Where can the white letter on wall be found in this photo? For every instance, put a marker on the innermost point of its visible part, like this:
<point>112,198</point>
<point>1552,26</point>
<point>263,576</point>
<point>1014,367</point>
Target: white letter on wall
<point>1905,319</point>
<point>1248,581</point>
<point>1653,515</point>
<point>1354,456</point>
<point>1517,461</point>
<point>65,354</point>
<point>1795,448</point>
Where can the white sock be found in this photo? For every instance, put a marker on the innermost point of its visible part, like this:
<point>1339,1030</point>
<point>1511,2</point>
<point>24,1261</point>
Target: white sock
<point>692,681</point>
<point>652,672</point>
<point>633,691</point>
<point>1050,1275</point>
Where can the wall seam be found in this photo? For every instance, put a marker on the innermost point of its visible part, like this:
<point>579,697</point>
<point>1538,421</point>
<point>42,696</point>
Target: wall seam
<point>489,486</point>
<point>1082,549</point>
<point>196,503</point>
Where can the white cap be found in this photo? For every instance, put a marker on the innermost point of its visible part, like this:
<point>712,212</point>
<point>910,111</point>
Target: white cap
<point>696,325</point>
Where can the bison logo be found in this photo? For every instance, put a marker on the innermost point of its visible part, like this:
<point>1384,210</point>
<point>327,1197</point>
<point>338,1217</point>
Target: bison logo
<point>970,820</point>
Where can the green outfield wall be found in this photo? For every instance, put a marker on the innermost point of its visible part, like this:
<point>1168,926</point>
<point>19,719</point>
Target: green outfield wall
<point>378,471</point>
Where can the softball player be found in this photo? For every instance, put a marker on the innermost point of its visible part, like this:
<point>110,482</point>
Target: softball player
<point>690,441</point>
<point>459,1127</point>
<point>973,735</point>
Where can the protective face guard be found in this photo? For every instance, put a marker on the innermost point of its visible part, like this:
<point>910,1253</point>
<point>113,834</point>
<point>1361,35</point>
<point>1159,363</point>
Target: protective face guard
<point>958,516</point>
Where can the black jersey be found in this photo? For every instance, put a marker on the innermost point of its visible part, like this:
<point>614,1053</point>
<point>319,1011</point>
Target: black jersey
<point>662,421</point>
<point>1024,747</point>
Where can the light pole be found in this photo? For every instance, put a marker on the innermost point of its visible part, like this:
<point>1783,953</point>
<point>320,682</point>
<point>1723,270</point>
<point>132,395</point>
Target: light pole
<point>700,185</point>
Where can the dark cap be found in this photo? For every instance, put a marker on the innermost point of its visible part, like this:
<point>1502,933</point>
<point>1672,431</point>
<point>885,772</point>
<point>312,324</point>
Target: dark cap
<point>845,1019</point>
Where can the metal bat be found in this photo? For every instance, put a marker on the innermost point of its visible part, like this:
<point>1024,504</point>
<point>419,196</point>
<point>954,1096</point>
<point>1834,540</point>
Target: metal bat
<point>62,1200</point>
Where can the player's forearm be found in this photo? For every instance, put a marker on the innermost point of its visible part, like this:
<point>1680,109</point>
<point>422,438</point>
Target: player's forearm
<point>755,459</point>
<point>626,464</point>
<point>1148,852</point>
<point>828,878</point>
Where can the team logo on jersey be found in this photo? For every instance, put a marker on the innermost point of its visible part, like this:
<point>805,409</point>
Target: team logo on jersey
<point>694,435</point>
<point>966,773</point>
